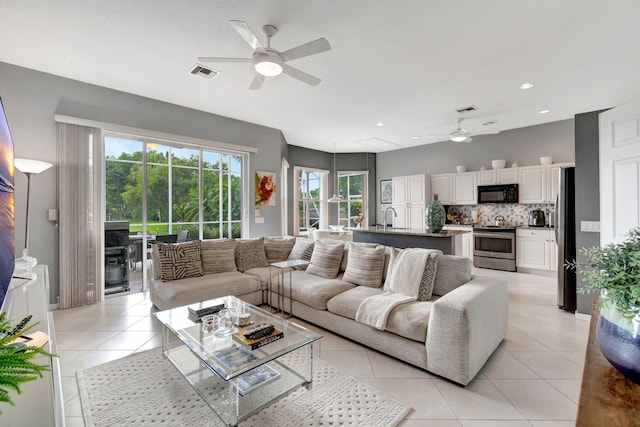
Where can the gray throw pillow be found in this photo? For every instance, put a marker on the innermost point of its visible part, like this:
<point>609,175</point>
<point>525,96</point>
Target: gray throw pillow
<point>365,265</point>
<point>179,260</point>
<point>278,248</point>
<point>453,271</point>
<point>218,256</point>
<point>428,278</point>
<point>302,249</point>
<point>325,261</point>
<point>250,254</point>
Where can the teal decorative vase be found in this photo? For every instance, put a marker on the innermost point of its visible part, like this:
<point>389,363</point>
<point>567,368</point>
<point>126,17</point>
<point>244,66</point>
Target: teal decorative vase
<point>435,216</point>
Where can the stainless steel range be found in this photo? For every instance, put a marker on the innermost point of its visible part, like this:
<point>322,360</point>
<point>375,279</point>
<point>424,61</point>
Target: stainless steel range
<point>494,247</point>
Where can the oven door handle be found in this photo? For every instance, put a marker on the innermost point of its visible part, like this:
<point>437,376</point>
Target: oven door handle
<point>506,236</point>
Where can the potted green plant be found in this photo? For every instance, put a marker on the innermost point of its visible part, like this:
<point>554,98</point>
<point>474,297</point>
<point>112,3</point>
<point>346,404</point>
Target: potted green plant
<point>16,366</point>
<point>614,270</point>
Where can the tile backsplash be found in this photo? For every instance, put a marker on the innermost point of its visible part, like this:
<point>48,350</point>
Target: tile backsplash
<point>514,214</point>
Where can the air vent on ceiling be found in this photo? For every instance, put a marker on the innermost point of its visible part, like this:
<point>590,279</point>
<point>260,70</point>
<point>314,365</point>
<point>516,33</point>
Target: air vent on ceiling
<point>202,71</point>
<point>468,109</point>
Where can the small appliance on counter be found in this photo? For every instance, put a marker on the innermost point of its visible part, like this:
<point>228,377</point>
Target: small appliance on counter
<point>536,218</point>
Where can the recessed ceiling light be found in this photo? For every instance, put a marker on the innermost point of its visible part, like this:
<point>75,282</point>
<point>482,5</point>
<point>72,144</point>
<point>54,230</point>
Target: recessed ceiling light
<point>543,111</point>
<point>525,86</point>
<point>379,124</point>
<point>415,137</point>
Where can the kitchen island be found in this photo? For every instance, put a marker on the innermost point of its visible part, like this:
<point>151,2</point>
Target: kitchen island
<point>449,242</point>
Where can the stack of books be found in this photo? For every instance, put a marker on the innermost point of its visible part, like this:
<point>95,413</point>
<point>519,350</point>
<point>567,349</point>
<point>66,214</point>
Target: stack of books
<point>201,309</point>
<point>252,344</point>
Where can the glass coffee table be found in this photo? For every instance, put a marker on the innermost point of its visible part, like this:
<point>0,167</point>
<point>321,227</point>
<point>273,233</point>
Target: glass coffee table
<point>233,379</point>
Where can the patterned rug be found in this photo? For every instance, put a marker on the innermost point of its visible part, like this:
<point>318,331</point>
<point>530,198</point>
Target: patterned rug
<point>146,389</point>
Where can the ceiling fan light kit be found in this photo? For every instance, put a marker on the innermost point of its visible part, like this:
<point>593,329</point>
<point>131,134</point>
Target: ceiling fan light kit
<point>269,62</point>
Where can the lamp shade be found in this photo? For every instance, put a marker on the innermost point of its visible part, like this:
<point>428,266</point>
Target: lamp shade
<point>31,166</point>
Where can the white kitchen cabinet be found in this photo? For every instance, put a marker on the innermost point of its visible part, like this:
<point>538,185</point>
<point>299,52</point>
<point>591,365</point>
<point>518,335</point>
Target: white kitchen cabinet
<point>465,249</point>
<point>536,249</point>
<point>487,177</point>
<point>442,186</point>
<point>532,184</point>
<point>507,176</point>
<point>465,190</point>
<point>553,181</point>
<point>410,195</point>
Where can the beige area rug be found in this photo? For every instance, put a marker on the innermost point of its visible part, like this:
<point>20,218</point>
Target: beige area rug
<point>146,389</point>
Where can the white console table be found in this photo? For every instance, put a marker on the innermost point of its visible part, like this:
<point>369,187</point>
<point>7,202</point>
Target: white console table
<point>40,403</point>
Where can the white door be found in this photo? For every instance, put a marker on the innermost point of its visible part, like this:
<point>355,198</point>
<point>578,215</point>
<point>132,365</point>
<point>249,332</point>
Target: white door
<point>619,172</point>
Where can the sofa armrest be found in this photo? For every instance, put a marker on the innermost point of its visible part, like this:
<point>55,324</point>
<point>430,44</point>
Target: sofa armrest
<point>465,327</point>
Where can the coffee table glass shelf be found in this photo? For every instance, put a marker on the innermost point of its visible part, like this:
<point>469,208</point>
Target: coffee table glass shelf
<point>234,380</point>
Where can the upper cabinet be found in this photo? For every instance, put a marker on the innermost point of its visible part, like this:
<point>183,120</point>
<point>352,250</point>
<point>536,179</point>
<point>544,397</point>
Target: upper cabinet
<point>507,176</point>
<point>465,188</point>
<point>539,184</point>
<point>442,186</point>
<point>487,177</point>
<point>411,189</point>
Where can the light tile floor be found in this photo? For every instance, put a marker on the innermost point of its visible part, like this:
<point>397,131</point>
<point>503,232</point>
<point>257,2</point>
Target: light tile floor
<point>533,379</point>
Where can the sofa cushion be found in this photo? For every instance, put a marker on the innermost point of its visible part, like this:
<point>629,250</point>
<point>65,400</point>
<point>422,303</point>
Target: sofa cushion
<point>452,272</point>
<point>278,248</point>
<point>155,261</point>
<point>218,256</point>
<point>179,260</point>
<point>365,265</point>
<point>325,260</point>
<point>408,320</point>
<point>250,254</point>
<point>197,289</point>
<point>302,249</point>
<point>315,291</point>
<point>264,273</point>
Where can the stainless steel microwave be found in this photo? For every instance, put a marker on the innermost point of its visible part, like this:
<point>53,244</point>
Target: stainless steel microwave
<point>501,193</point>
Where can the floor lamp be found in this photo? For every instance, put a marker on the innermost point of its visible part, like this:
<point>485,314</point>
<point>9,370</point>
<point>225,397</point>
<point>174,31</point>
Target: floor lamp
<point>28,167</point>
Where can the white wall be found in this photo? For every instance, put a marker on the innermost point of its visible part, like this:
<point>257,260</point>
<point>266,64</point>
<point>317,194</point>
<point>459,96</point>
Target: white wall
<point>31,99</point>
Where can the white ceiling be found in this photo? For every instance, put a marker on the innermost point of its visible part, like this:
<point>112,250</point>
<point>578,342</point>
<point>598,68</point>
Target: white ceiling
<point>409,64</point>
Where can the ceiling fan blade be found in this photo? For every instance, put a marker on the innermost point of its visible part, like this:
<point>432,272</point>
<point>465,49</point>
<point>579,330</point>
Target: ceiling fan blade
<point>490,132</point>
<point>301,75</point>
<point>215,59</point>
<point>243,29</point>
<point>257,82</point>
<point>311,48</point>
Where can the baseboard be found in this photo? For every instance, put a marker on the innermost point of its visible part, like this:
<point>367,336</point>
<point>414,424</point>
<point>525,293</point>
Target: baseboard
<point>53,306</point>
<point>582,316</point>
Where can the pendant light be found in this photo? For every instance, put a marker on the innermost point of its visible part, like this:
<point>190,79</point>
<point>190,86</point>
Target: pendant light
<point>335,198</point>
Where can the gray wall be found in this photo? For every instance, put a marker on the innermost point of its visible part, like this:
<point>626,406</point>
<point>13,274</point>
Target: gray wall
<point>524,146</point>
<point>31,99</point>
<point>300,156</point>
<point>587,189</point>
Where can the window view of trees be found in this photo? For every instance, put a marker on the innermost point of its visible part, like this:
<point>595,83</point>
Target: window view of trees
<point>352,188</point>
<point>309,199</point>
<point>192,189</point>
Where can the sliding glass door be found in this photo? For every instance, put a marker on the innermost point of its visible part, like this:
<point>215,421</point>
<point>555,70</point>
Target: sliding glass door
<point>172,191</point>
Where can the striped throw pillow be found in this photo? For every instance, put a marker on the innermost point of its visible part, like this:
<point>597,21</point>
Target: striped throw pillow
<point>179,260</point>
<point>218,256</point>
<point>278,248</point>
<point>365,266</point>
<point>325,261</point>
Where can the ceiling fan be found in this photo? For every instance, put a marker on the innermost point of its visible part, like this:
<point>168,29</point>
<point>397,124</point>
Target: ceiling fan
<point>269,62</point>
<point>460,134</point>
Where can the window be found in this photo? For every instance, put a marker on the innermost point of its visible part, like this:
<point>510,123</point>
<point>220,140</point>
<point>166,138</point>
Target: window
<point>310,199</point>
<point>353,190</point>
<point>193,188</point>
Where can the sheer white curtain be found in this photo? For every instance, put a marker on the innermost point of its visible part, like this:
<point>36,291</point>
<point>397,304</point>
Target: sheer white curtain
<point>80,176</point>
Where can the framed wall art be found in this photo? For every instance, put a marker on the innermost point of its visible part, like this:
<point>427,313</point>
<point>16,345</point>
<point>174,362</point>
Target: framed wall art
<point>386,191</point>
<point>265,188</point>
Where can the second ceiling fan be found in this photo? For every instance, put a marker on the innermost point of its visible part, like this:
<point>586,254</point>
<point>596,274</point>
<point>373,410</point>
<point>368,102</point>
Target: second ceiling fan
<point>269,62</point>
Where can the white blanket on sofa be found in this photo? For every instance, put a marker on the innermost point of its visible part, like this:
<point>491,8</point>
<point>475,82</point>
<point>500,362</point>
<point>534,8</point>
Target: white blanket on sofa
<point>402,286</point>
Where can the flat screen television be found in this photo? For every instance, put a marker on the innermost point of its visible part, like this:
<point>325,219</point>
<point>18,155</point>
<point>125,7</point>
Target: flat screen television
<point>7,216</point>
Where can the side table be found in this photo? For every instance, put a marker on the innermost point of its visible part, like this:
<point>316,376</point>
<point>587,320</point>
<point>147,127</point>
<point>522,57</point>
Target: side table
<point>282,267</point>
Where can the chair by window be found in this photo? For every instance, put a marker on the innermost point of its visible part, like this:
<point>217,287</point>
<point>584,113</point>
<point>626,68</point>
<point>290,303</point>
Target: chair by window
<point>183,235</point>
<point>167,238</point>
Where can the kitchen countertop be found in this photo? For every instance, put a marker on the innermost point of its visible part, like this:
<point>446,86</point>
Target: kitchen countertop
<point>526,227</point>
<point>409,231</point>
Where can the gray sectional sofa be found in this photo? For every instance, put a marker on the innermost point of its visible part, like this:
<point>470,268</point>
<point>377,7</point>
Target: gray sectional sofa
<point>451,334</point>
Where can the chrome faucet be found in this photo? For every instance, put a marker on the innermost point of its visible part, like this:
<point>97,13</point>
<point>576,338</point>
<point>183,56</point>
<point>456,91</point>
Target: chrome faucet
<point>395,214</point>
